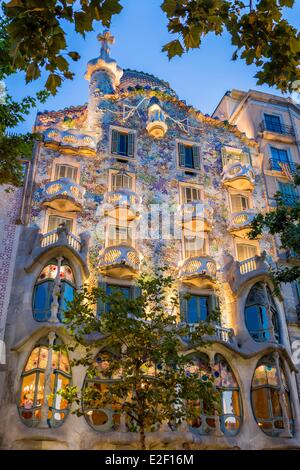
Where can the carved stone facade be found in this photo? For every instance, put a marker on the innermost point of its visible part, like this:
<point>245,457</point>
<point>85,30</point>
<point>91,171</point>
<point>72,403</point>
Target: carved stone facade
<point>98,173</point>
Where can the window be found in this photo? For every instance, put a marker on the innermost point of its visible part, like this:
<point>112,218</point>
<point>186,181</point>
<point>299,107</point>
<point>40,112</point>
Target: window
<point>268,383</point>
<point>273,123</point>
<point>119,235</point>
<point>239,203</point>
<point>33,385</point>
<point>121,181</point>
<point>98,416</point>
<point>128,292</point>
<point>122,143</point>
<point>230,401</point>
<point>194,246</point>
<point>189,156</point>
<point>279,156</point>
<point>196,307</point>
<point>62,275</point>
<point>245,251</point>
<point>288,193</point>
<point>261,314</point>
<point>66,171</point>
<point>190,194</point>
<point>231,155</point>
<point>55,221</point>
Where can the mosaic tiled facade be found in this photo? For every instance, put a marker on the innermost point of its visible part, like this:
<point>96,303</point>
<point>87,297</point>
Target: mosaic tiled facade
<point>101,168</point>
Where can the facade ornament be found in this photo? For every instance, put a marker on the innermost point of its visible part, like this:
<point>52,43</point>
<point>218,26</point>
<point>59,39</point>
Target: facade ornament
<point>56,292</point>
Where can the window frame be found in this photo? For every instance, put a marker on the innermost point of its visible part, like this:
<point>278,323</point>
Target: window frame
<point>188,143</point>
<point>112,172</point>
<point>123,130</point>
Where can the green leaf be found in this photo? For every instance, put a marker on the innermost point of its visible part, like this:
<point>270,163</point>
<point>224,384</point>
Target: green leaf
<point>74,55</point>
<point>83,22</point>
<point>33,72</point>
<point>173,48</point>
<point>53,82</point>
<point>169,7</point>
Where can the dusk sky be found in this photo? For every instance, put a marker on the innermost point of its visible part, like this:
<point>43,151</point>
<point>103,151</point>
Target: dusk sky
<point>200,77</point>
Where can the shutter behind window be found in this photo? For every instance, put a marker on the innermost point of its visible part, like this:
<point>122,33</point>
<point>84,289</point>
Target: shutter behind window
<point>130,144</point>
<point>196,157</point>
<point>114,141</point>
<point>183,305</point>
<point>181,154</point>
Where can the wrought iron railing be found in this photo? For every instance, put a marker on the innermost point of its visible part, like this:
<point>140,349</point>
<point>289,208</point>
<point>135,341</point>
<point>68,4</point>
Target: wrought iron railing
<point>277,128</point>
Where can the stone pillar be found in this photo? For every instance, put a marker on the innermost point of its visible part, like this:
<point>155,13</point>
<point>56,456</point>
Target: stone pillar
<point>47,383</point>
<point>286,422</point>
<point>56,292</point>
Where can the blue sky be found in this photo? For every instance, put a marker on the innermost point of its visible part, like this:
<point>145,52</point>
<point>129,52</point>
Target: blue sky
<point>200,77</point>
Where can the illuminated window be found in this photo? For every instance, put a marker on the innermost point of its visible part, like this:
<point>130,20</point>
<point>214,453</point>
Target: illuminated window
<point>43,290</point>
<point>121,181</point>
<point>261,314</point>
<point>268,384</point>
<point>99,416</point>
<point>229,395</point>
<point>190,194</point>
<point>239,203</point>
<point>66,171</point>
<point>33,385</point>
<point>55,221</point>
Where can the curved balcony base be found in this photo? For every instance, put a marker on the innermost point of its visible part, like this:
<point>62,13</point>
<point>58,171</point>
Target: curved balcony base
<point>157,129</point>
<point>199,271</point>
<point>63,204</point>
<point>120,261</point>
<point>194,224</point>
<point>122,213</point>
<point>239,183</point>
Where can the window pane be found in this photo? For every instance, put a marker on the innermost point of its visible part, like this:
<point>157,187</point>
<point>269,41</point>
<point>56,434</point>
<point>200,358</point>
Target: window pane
<point>189,160</point>
<point>123,144</point>
<point>245,251</point>
<point>275,403</point>
<point>192,310</point>
<point>260,403</point>
<point>54,222</point>
<point>42,301</point>
<point>273,123</point>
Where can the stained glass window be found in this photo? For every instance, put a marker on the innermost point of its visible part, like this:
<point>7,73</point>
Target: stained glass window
<point>261,314</point>
<point>43,290</point>
<point>267,385</point>
<point>32,395</point>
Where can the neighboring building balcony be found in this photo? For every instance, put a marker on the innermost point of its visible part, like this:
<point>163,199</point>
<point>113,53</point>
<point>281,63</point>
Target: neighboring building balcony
<point>289,256</point>
<point>120,261</point>
<point>237,273</point>
<point>277,131</point>
<point>199,271</point>
<point>240,223</point>
<point>63,195</point>
<point>69,141</point>
<point>197,216</point>
<point>122,204</point>
<point>238,176</point>
<point>59,240</point>
<point>282,167</point>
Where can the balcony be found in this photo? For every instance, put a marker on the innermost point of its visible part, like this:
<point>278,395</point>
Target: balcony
<point>221,333</point>
<point>199,271</point>
<point>197,216</point>
<point>122,204</point>
<point>279,132</point>
<point>120,261</point>
<point>58,242</point>
<point>240,223</point>
<point>237,273</point>
<point>70,141</point>
<point>63,195</point>
<point>238,176</point>
<point>285,168</point>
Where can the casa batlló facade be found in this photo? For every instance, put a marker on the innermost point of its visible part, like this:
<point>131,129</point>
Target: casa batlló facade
<point>133,180</point>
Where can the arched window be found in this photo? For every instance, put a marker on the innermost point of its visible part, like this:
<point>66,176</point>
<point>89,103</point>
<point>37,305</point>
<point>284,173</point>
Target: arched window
<point>261,314</point>
<point>34,388</point>
<point>227,385</point>
<point>270,397</point>
<point>99,417</point>
<point>57,274</point>
<point>230,401</point>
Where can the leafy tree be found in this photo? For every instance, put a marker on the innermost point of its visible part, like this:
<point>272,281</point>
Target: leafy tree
<point>144,335</point>
<point>258,30</point>
<point>284,222</point>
